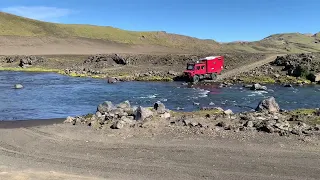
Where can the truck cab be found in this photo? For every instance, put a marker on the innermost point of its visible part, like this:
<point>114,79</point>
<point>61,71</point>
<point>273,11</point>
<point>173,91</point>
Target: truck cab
<point>208,67</point>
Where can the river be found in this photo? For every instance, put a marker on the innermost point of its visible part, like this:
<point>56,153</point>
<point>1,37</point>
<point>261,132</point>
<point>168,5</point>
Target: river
<point>50,95</point>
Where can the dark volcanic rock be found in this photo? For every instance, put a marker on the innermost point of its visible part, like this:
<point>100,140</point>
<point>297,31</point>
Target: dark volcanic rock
<point>111,80</point>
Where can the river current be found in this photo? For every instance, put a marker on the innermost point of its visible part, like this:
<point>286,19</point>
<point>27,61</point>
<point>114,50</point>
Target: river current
<point>50,95</point>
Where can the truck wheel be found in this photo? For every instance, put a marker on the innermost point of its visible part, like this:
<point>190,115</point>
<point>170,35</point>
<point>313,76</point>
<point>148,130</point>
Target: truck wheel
<point>213,76</point>
<point>195,78</point>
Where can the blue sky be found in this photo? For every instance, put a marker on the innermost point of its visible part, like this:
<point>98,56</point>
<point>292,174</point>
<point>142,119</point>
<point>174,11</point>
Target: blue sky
<point>221,20</point>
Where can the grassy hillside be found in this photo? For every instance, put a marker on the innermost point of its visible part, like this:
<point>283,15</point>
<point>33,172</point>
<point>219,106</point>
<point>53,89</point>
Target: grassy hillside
<point>12,25</point>
<point>288,43</point>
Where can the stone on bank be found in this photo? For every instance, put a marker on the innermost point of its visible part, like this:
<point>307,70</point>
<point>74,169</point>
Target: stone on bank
<point>268,105</point>
<point>121,115</point>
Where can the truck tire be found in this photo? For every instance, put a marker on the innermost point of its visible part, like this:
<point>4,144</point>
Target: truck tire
<point>195,78</point>
<point>214,76</point>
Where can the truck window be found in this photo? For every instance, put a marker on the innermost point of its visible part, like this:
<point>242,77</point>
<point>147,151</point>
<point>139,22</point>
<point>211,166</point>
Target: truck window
<point>202,67</point>
<point>198,67</point>
<point>190,67</point>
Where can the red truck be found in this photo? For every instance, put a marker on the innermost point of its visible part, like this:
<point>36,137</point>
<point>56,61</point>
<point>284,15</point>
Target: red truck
<point>205,68</point>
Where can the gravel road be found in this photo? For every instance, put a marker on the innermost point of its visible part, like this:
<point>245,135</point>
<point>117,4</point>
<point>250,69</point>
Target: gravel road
<point>63,151</point>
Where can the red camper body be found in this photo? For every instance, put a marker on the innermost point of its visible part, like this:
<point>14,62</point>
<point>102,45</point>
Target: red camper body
<point>205,68</point>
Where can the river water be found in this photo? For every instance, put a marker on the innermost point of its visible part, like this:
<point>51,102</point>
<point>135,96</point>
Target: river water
<point>50,95</point>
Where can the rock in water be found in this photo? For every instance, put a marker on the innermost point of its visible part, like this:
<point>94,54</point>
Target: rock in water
<point>111,80</point>
<point>268,105</point>
<point>106,106</point>
<point>196,104</point>
<point>18,86</point>
<point>142,113</point>
<point>258,87</point>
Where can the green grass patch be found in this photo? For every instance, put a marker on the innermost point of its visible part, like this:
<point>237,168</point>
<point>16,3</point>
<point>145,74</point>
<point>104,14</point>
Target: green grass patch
<point>10,25</point>
<point>30,69</point>
<point>153,78</point>
<point>199,113</point>
<point>306,115</point>
<point>303,112</point>
<point>258,79</point>
<point>292,80</point>
<point>88,116</point>
<point>73,74</point>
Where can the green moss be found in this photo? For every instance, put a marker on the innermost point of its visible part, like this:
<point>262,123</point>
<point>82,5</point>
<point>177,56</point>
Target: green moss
<point>303,112</point>
<point>30,69</point>
<point>97,76</point>
<point>271,80</point>
<point>258,79</point>
<point>88,116</point>
<point>125,77</point>
<point>314,121</point>
<point>292,80</point>
<point>153,78</point>
<point>199,113</point>
<point>306,115</point>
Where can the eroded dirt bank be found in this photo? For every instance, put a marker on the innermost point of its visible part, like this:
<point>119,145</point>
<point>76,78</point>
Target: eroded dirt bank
<point>122,66</point>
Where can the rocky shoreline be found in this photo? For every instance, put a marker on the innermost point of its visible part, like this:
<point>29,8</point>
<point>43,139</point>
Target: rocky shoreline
<point>267,117</point>
<point>121,67</point>
<point>298,69</point>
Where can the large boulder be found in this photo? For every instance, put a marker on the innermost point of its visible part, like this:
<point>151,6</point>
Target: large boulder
<point>142,113</point>
<point>121,123</point>
<point>268,105</point>
<point>124,105</point>
<point>105,107</point>
<point>159,107</point>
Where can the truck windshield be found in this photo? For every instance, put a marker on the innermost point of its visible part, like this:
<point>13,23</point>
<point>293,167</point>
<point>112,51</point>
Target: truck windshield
<point>190,67</point>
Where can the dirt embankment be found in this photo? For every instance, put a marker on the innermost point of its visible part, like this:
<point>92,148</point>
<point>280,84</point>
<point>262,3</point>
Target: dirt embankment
<point>286,69</point>
<point>125,66</point>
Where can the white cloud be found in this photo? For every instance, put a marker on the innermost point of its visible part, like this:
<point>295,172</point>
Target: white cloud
<point>38,12</point>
